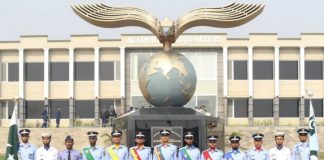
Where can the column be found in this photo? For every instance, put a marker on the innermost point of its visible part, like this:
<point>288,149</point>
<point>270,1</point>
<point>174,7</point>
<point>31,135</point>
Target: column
<point>302,86</point>
<point>21,110</point>
<point>71,87</point>
<point>96,85</point>
<point>225,114</point>
<point>276,111</point>
<point>97,112</point>
<point>71,112</point>
<point>302,71</point>
<point>46,72</point>
<point>250,112</point>
<point>46,105</point>
<point>276,76</point>
<point>302,111</point>
<point>96,72</point>
<point>250,70</point>
<point>250,79</point>
<point>122,79</point>
<point>225,86</point>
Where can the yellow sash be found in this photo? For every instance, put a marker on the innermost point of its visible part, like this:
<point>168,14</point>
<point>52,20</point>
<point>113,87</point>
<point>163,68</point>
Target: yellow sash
<point>112,153</point>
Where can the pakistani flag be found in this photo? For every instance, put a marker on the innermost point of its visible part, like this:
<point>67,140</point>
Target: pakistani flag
<point>313,140</point>
<point>13,140</point>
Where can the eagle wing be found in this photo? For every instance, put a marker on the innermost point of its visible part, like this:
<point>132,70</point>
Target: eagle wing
<point>231,15</point>
<point>111,17</point>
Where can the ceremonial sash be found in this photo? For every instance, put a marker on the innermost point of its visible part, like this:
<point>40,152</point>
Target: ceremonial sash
<point>228,155</point>
<point>88,153</point>
<point>158,153</point>
<point>135,154</point>
<point>206,155</point>
<point>112,153</point>
<point>185,154</point>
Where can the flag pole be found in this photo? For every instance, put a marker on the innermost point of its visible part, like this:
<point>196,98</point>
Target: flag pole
<point>313,141</point>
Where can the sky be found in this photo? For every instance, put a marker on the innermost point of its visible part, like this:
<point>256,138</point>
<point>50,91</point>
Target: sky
<point>55,18</point>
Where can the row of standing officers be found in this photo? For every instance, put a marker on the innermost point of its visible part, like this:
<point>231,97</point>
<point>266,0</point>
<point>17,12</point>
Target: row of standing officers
<point>164,151</point>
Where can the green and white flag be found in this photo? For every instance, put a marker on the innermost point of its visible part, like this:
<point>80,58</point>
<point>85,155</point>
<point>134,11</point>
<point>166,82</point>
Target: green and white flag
<point>313,140</point>
<point>13,138</point>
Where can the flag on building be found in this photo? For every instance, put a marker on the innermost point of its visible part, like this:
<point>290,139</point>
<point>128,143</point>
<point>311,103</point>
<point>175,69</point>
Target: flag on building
<point>313,140</point>
<point>13,138</point>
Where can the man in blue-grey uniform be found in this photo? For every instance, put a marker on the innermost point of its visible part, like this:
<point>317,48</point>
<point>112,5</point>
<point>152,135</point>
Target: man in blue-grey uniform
<point>69,153</point>
<point>165,150</point>
<point>301,151</point>
<point>212,153</point>
<point>189,152</point>
<point>140,151</point>
<point>93,152</point>
<point>26,150</point>
<point>257,152</point>
<point>116,151</point>
<point>235,153</point>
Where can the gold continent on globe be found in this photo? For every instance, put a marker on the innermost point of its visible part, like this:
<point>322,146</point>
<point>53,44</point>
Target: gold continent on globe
<point>167,79</point>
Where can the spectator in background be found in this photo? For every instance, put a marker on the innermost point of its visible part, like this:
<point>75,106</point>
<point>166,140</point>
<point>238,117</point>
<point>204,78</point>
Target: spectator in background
<point>111,115</point>
<point>44,117</point>
<point>104,117</point>
<point>58,117</point>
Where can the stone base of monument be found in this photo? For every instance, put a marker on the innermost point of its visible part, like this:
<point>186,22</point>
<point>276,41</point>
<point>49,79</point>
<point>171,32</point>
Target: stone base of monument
<point>178,119</point>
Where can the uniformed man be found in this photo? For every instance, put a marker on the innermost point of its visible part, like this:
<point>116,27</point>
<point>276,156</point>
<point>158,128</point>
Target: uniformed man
<point>235,153</point>
<point>257,152</point>
<point>280,152</point>
<point>46,152</point>
<point>212,153</point>
<point>93,152</point>
<point>165,150</point>
<point>116,151</point>
<point>69,153</point>
<point>140,151</point>
<point>189,152</point>
<point>301,151</point>
<point>26,150</point>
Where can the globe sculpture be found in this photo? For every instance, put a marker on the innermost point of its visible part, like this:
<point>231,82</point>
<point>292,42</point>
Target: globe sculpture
<point>168,78</point>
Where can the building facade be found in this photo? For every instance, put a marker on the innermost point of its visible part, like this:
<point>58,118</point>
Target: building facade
<point>259,80</point>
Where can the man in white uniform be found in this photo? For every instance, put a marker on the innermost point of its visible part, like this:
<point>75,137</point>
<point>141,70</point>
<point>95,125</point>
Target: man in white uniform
<point>279,152</point>
<point>46,152</point>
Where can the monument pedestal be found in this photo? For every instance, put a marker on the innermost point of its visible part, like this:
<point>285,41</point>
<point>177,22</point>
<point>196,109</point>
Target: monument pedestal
<point>178,119</point>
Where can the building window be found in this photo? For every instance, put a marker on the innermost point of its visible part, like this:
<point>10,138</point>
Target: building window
<point>117,70</point>
<point>208,103</point>
<point>262,108</point>
<point>205,64</point>
<point>13,71</point>
<point>238,107</point>
<point>288,107</point>
<point>84,109</point>
<point>237,70</point>
<point>107,71</point>
<point>59,71</point>
<point>262,70</point>
<point>3,71</point>
<point>313,70</point>
<point>6,109</point>
<point>288,70</point>
<point>84,71</point>
<point>63,105</point>
<point>107,107</point>
<point>34,71</point>
<point>138,60</point>
<point>317,105</point>
<point>191,103</point>
<point>139,102</point>
<point>34,109</point>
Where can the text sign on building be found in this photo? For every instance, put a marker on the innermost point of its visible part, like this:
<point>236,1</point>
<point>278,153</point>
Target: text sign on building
<point>175,137</point>
<point>182,39</point>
